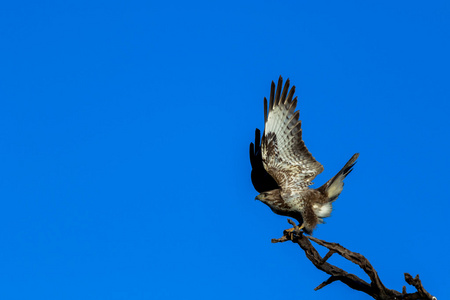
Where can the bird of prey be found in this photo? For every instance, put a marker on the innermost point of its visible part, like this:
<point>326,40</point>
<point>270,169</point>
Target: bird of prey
<point>283,168</point>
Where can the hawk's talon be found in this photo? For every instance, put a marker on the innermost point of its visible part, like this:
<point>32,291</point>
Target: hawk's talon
<point>297,230</point>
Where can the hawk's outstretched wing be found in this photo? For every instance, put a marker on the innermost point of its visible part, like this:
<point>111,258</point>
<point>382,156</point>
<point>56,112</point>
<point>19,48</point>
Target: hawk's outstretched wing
<point>261,180</point>
<point>284,154</point>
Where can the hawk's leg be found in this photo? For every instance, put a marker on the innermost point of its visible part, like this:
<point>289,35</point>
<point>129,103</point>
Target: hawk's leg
<point>296,229</point>
<point>288,234</point>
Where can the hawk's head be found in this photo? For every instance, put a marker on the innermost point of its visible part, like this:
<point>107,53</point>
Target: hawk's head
<point>274,201</point>
<point>269,197</point>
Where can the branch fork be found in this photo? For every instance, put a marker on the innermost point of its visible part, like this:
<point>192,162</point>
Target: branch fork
<point>375,288</point>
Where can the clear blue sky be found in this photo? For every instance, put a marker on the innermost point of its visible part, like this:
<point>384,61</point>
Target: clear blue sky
<point>125,128</point>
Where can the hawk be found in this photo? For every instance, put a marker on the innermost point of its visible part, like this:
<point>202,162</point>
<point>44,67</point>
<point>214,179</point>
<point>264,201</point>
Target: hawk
<point>283,168</point>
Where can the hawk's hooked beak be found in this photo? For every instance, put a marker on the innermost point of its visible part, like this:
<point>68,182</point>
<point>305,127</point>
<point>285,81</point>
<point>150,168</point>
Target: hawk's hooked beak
<point>257,198</point>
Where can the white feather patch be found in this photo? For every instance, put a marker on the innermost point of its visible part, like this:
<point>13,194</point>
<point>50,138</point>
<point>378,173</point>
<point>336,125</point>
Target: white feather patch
<point>324,210</point>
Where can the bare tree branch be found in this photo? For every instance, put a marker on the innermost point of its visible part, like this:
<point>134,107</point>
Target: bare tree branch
<point>375,288</point>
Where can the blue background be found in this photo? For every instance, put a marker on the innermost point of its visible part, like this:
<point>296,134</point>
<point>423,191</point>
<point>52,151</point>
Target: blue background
<point>125,128</point>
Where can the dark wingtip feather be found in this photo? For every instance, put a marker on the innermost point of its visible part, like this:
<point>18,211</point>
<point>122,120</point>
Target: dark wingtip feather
<point>255,149</point>
<point>272,95</point>
<point>257,140</point>
<point>285,91</point>
<point>265,110</point>
<point>348,168</point>
<point>252,154</point>
<point>291,94</point>
<point>278,93</point>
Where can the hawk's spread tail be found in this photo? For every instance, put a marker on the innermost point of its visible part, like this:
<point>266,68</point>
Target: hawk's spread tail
<point>333,187</point>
